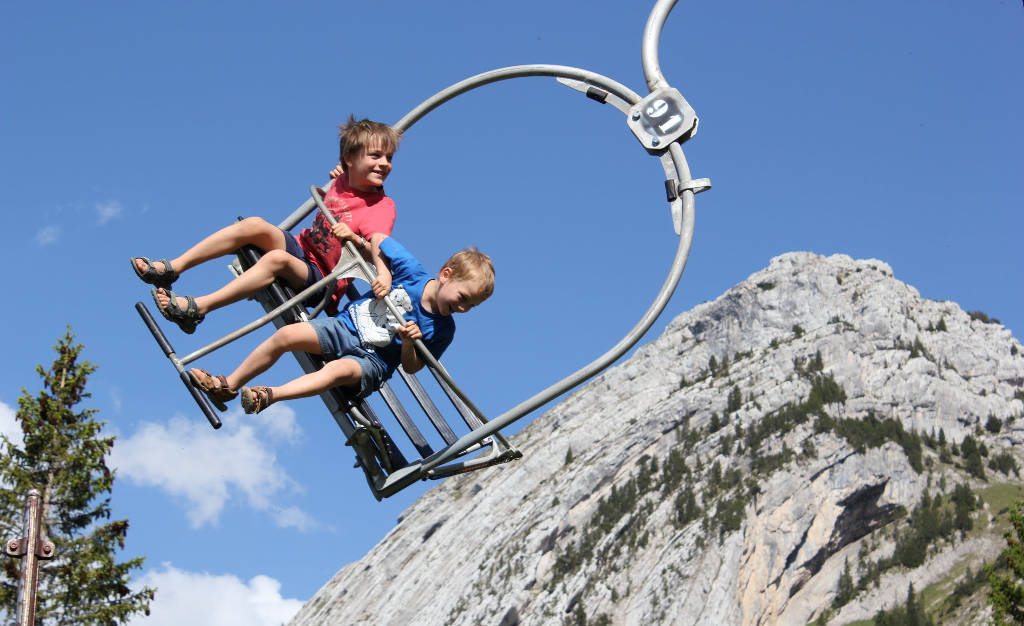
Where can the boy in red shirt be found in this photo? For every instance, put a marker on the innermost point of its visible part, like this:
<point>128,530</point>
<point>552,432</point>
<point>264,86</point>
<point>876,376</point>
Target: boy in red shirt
<point>356,199</point>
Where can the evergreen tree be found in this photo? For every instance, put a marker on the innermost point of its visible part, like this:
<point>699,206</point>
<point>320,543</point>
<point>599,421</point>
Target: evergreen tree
<point>735,400</point>
<point>64,457</point>
<point>846,588</point>
<point>1007,593</point>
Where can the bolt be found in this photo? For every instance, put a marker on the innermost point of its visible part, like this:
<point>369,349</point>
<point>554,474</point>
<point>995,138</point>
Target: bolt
<point>655,141</point>
<point>636,115</point>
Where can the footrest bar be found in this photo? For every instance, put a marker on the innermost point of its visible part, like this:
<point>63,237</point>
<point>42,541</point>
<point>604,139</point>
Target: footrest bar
<point>161,339</point>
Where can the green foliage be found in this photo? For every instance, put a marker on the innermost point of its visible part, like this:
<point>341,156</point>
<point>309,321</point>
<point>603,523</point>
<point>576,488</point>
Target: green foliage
<point>64,457</point>
<point>931,521</point>
<point>965,587</point>
<point>766,285</point>
<point>972,453</point>
<point>730,514</point>
<point>964,504</point>
<point>912,613</point>
<point>735,400</point>
<point>941,326</point>
<point>1007,593</point>
<point>994,424</point>
<point>714,424</point>
<point>674,470</point>
<point>798,331</point>
<point>622,501</point>
<point>685,507</point>
<point>845,589</point>
<point>825,390</point>
<point>765,464</point>
<point>816,364</point>
<point>871,432</point>
<point>1005,463</point>
<point>980,316</point>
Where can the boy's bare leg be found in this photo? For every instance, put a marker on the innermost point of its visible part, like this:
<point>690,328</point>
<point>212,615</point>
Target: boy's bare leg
<point>299,336</point>
<point>341,373</point>
<point>253,230</point>
<point>272,264</point>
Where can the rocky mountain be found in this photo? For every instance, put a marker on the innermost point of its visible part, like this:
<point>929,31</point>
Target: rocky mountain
<point>804,448</point>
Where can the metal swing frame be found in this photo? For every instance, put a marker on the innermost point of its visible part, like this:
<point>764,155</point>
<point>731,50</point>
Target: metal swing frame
<point>661,121</point>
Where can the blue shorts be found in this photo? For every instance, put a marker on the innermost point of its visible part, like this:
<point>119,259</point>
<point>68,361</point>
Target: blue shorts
<point>338,341</point>
<point>292,247</point>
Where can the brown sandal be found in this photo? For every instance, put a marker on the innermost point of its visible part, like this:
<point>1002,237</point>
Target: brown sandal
<point>153,276</point>
<point>215,387</point>
<point>255,399</point>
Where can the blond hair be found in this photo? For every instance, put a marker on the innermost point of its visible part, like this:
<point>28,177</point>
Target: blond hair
<point>357,136</point>
<point>472,265</point>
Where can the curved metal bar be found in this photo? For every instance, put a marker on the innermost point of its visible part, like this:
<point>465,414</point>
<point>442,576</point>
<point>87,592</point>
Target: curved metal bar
<point>513,71</point>
<point>595,367</point>
<point>675,273</point>
<point>649,45</point>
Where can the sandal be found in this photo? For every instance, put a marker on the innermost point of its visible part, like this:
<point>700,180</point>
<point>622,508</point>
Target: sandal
<point>186,319</point>
<point>215,387</point>
<point>255,399</point>
<point>153,276</point>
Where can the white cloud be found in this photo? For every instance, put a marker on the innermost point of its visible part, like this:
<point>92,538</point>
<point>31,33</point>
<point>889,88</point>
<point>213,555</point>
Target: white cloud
<point>202,599</point>
<point>208,468</point>
<point>9,425</point>
<point>48,235</point>
<point>107,211</point>
<point>293,517</point>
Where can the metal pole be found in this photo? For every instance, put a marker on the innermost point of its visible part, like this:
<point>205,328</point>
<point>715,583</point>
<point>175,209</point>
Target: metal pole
<point>649,44</point>
<point>33,548</point>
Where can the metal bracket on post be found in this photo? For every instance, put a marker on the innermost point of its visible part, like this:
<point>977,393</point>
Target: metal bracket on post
<point>32,548</point>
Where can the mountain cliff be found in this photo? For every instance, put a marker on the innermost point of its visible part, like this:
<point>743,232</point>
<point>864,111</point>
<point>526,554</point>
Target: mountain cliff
<point>806,447</point>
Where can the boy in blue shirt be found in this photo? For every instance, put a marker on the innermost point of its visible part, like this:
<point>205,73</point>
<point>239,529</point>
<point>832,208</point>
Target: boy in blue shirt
<point>359,346</point>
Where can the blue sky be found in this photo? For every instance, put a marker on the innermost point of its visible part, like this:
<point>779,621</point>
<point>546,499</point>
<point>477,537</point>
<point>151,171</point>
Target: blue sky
<point>874,129</point>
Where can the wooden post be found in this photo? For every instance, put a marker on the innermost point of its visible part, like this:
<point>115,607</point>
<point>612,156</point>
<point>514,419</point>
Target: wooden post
<point>30,548</point>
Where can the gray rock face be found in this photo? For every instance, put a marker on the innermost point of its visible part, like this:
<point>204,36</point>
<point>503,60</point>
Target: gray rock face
<point>728,473</point>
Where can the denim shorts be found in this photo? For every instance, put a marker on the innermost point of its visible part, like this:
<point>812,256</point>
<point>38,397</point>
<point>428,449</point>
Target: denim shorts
<point>338,341</point>
<point>292,247</point>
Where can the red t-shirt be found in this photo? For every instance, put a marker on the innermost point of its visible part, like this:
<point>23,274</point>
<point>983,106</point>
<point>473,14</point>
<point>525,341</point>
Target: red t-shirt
<point>365,213</point>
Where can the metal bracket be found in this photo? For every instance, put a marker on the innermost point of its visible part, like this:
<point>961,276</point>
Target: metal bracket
<point>589,90</point>
<point>695,185</point>
<point>662,117</point>
<point>19,548</point>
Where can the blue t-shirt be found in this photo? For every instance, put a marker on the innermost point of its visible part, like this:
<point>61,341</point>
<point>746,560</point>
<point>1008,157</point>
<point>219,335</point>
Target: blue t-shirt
<point>438,330</point>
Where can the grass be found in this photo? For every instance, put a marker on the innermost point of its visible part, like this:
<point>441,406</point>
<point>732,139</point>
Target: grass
<point>1002,496</point>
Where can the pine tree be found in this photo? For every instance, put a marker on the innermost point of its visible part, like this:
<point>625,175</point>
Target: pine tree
<point>1007,593</point>
<point>845,589</point>
<point>64,457</point>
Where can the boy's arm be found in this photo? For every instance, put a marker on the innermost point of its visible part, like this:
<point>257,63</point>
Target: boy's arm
<point>369,249</point>
<point>409,332</point>
<point>382,284</point>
